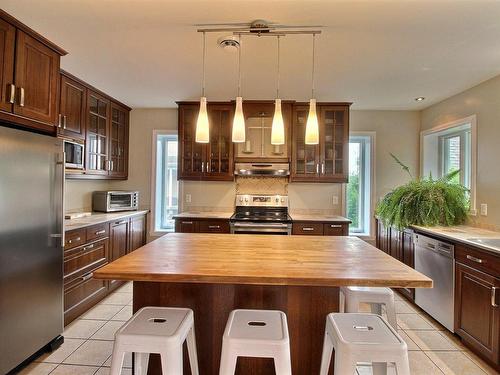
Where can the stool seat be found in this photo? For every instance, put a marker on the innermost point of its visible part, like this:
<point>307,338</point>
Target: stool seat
<point>259,334</point>
<point>375,296</point>
<point>160,330</point>
<point>358,338</point>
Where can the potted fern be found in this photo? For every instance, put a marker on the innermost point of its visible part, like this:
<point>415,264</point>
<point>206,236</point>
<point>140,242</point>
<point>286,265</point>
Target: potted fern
<point>425,201</point>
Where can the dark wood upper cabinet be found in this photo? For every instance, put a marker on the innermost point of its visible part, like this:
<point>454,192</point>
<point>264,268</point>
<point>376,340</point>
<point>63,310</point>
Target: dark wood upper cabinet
<point>72,108</point>
<point>36,79</point>
<point>98,117</point>
<point>29,76</point>
<point>328,160</point>
<point>211,161</point>
<point>477,315</point>
<point>7,51</point>
<point>118,141</point>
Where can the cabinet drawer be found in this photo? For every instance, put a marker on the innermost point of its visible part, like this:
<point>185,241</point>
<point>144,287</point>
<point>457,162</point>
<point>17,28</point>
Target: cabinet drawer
<point>81,296</point>
<point>80,261</point>
<point>213,226</point>
<point>97,231</point>
<point>74,238</point>
<point>186,226</point>
<point>335,229</point>
<point>478,259</point>
<point>309,229</point>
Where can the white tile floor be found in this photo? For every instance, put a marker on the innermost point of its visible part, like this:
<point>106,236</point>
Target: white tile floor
<point>89,341</point>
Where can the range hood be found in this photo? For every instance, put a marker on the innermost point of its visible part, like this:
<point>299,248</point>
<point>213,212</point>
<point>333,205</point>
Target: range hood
<point>262,169</point>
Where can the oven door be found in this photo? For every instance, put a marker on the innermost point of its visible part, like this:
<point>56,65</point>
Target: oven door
<point>122,201</point>
<point>261,228</point>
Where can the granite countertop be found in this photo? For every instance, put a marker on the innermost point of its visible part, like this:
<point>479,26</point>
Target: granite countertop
<point>320,217</point>
<point>203,215</point>
<point>463,234</point>
<point>99,217</point>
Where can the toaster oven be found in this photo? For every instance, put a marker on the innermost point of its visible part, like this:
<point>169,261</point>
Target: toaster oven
<point>116,200</point>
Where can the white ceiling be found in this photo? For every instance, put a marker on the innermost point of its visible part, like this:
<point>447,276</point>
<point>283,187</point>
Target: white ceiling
<point>377,54</point>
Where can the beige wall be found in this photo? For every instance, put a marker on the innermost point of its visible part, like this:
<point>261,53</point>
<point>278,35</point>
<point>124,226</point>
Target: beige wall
<point>78,194</point>
<point>484,102</point>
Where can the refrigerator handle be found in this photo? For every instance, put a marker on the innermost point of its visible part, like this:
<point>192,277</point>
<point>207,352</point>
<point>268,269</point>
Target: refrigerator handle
<point>60,216</point>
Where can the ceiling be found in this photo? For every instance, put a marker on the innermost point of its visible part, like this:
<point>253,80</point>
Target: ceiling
<point>377,54</point>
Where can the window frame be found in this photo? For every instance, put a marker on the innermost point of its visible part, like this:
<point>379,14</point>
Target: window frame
<point>464,136</point>
<point>472,120</point>
<point>367,159</point>
<point>154,228</point>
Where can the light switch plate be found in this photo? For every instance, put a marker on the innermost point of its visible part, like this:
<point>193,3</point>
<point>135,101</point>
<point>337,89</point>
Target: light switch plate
<point>188,198</point>
<point>484,209</point>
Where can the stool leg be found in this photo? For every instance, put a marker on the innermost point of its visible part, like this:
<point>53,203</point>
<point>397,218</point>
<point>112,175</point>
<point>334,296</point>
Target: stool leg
<point>376,308</point>
<point>227,360</point>
<point>326,356</point>
<point>341,302</point>
<point>344,365</point>
<point>141,363</point>
<point>193,356</point>
<point>116,361</point>
<point>403,365</point>
<point>351,305</point>
<point>390,308</point>
<point>379,368</point>
<point>283,363</point>
<point>171,362</point>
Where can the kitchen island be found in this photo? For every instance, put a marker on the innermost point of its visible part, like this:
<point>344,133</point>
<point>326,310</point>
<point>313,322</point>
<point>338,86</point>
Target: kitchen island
<point>214,274</point>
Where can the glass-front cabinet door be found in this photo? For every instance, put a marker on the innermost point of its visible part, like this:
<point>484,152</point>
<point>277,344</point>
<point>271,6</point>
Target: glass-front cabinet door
<point>219,153</point>
<point>305,158</point>
<point>118,141</point>
<point>98,112</point>
<point>334,142</point>
<point>191,154</point>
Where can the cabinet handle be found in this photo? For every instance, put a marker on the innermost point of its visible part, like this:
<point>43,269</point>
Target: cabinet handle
<point>317,168</point>
<point>202,167</point>
<point>76,239</point>
<point>21,97</point>
<point>88,247</point>
<point>214,227</point>
<point>307,229</point>
<point>120,222</point>
<point>208,169</point>
<point>64,122</point>
<point>59,122</point>
<point>87,277</point>
<point>494,296</point>
<point>12,94</point>
<point>100,232</point>
<point>187,222</point>
<point>323,168</point>
<point>336,226</point>
<point>474,259</point>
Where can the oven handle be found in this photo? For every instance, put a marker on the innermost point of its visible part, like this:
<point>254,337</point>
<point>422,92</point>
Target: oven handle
<point>263,226</point>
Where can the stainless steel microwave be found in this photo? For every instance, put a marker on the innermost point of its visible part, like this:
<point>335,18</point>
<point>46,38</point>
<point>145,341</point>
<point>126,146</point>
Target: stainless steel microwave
<point>116,200</point>
<point>74,152</point>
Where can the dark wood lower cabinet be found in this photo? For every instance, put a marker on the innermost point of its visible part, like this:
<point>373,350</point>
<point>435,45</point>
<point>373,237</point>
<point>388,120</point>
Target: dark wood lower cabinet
<point>90,248</point>
<point>477,311</point>
<point>190,225</point>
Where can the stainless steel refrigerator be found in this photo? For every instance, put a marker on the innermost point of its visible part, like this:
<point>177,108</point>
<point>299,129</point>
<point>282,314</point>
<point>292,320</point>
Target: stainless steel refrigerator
<point>31,237</point>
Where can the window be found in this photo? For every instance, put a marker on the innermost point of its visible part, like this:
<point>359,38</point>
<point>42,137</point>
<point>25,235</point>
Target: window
<point>359,186</point>
<point>167,186</point>
<point>450,147</point>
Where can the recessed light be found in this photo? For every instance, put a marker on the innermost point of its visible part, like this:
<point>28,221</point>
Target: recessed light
<point>420,98</point>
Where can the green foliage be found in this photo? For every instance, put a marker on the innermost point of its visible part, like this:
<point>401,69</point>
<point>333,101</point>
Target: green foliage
<point>426,202</point>
<point>352,200</point>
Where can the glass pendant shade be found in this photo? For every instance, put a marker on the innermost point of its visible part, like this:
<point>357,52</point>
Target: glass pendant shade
<point>312,126</point>
<point>278,127</point>
<point>238,135</point>
<point>202,127</point>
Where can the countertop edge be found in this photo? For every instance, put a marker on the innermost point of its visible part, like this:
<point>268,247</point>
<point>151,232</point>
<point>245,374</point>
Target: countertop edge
<point>118,216</point>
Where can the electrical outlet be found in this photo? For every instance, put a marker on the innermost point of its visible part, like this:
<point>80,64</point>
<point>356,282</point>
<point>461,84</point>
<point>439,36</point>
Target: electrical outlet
<point>188,198</point>
<point>335,200</point>
<point>484,209</point>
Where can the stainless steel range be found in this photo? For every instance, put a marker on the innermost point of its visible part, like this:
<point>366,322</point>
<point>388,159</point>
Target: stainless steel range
<point>264,214</point>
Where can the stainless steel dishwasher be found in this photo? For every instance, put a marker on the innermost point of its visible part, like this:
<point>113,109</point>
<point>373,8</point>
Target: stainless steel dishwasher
<point>436,259</point>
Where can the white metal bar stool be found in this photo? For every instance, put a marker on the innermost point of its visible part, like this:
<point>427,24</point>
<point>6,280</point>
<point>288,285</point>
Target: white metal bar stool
<point>362,338</point>
<point>376,297</point>
<point>160,330</point>
<point>256,333</point>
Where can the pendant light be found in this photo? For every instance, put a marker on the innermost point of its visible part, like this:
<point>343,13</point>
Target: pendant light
<point>202,126</point>
<point>312,126</point>
<point>238,134</point>
<point>278,127</point>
